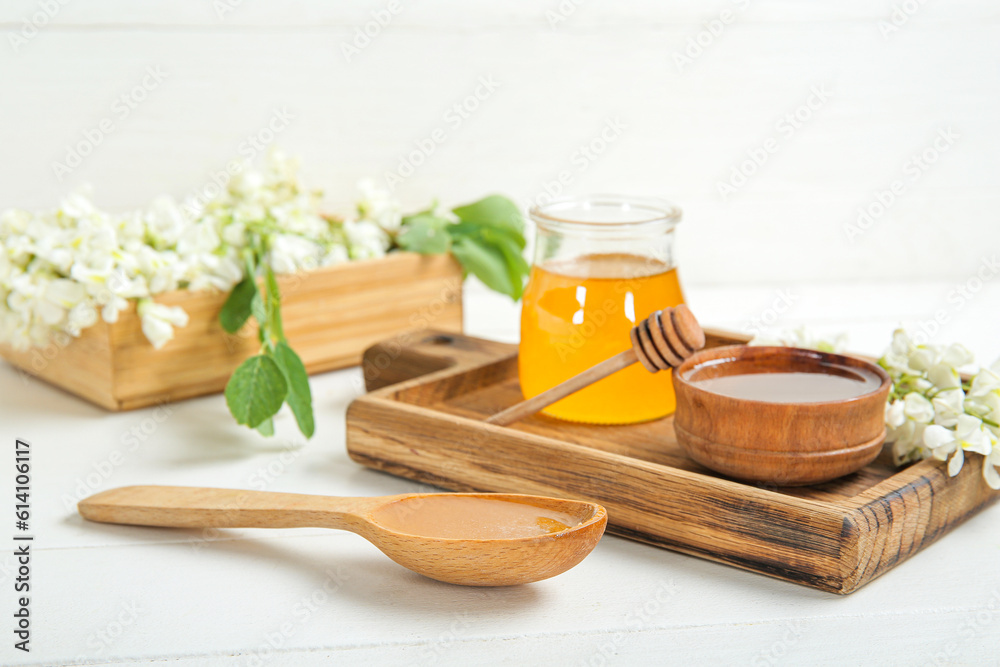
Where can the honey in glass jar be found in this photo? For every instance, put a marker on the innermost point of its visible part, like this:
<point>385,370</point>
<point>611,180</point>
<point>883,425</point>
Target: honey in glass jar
<point>602,264</point>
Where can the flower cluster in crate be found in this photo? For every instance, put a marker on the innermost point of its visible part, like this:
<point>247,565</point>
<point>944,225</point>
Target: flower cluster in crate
<point>931,412</point>
<point>61,270</point>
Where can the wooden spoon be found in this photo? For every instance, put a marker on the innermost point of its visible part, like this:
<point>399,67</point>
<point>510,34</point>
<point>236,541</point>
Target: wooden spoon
<point>663,340</point>
<point>461,538</point>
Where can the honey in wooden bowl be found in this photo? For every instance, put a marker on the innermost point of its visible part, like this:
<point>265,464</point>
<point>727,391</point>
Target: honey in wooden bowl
<point>578,313</point>
<point>835,383</point>
<point>780,415</point>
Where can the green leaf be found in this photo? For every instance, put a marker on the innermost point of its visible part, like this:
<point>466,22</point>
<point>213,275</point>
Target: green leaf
<point>424,234</point>
<point>517,266</point>
<point>236,311</point>
<point>266,427</point>
<point>488,263</point>
<point>258,309</point>
<point>273,304</point>
<point>256,390</point>
<point>299,396</point>
<point>494,211</point>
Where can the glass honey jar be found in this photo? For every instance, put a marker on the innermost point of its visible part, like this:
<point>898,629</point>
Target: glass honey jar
<point>601,265</point>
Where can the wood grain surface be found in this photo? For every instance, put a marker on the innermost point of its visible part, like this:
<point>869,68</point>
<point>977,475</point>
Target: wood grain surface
<point>835,536</point>
<point>331,316</point>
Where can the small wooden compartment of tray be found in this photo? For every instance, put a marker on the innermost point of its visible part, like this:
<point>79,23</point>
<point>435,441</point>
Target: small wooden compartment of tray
<point>423,420</point>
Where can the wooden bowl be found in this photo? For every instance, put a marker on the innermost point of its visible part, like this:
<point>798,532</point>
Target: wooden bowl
<point>782,443</point>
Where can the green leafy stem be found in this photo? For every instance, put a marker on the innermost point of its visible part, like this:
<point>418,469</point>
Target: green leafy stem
<point>487,240</point>
<point>486,237</point>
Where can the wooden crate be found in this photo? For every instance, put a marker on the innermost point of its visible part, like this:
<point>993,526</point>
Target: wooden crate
<point>835,536</point>
<point>330,315</point>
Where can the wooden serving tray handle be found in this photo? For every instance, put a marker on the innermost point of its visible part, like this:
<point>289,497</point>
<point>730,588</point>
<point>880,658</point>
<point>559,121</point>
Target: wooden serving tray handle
<point>407,357</point>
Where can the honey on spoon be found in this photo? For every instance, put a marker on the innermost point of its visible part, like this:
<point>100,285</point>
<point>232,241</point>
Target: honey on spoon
<point>460,538</point>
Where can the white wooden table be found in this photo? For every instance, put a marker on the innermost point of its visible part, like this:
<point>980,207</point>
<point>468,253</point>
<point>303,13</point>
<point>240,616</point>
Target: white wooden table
<point>126,595</point>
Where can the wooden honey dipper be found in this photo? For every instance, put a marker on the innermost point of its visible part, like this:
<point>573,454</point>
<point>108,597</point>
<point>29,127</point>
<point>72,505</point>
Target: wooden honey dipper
<point>663,340</point>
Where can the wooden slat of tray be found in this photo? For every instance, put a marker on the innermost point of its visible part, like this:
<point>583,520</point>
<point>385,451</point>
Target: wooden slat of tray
<point>835,536</point>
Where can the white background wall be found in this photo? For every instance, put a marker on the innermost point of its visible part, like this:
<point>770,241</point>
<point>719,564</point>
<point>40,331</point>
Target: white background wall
<point>685,127</point>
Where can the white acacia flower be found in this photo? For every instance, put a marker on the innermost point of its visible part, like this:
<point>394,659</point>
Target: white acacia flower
<point>969,435</point>
<point>907,442</point>
<point>894,414</point>
<point>62,270</point>
<point>158,321</point>
<point>990,465</point>
<point>987,380</point>
<point>918,408</point>
<point>948,406</point>
<point>64,293</point>
<point>197,239</point>
<point>365,239</point>
<point>379,206</point>
<point>164,222</point>
<point>79,317</point>
<point>234,234</point>
<point>944,376</point>
<point>335,254</point>
<point>212,272</point>
<point>289,253</point>
<point>897,358</point>
<point>986,407</point>
<point>112,307</point>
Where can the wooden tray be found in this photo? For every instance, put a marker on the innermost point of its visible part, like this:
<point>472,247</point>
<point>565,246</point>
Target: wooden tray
<point>835,536</point>
<point>331,315</point>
